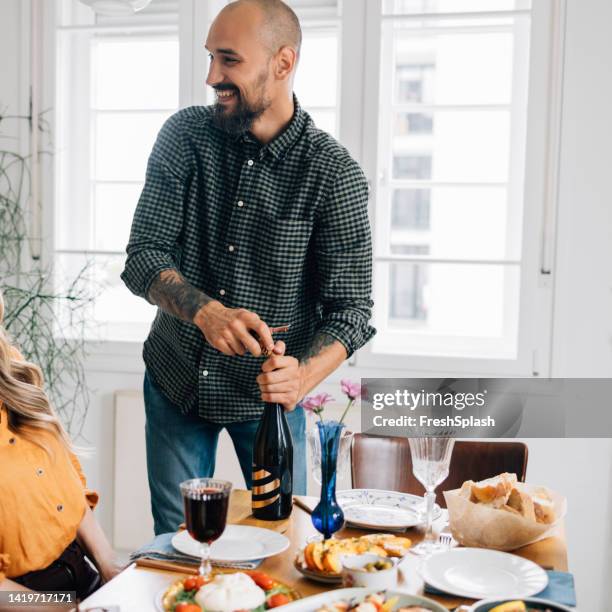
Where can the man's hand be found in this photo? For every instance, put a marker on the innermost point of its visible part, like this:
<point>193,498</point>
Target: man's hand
<point>229,329</point>
<point>280,380</point>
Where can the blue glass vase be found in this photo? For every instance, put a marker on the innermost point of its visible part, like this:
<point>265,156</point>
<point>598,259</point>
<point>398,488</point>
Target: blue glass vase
<point>328,517</point>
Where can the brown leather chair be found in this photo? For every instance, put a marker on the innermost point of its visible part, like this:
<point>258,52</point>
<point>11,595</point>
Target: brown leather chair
<point>379,462</point>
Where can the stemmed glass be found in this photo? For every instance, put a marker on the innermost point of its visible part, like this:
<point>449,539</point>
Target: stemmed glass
<point>206,501</point>
<point>430,465</point>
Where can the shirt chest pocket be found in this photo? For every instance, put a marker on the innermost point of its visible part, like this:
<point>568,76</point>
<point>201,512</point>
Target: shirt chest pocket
<point>281,248</point>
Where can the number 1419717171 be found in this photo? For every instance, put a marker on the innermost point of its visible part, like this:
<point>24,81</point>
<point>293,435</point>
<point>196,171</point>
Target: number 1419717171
<point>21,597</point>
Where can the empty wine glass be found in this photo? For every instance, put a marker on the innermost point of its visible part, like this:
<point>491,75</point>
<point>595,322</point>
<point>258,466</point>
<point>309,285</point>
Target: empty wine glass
<point>430,465</point>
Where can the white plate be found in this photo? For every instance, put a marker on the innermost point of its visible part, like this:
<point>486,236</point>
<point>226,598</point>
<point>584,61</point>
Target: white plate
<point>308,604</point>
<point>376,509</point>
<point>479,573</point>
<point>238,543</point>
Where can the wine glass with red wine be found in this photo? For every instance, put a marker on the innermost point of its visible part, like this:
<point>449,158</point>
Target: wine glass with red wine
<point>206,501</point>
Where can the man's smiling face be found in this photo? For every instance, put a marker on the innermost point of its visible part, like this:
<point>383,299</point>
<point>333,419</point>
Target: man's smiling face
<point>240,68</point>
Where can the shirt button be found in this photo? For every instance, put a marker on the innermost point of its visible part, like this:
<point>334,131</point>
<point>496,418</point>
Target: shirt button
<point>231,248</point>
<point>240,204</point>
<point>204,372</point>
<point>250,162</point>
<point>60,507</point>
<point>221,291</point>
<point>40,472</point>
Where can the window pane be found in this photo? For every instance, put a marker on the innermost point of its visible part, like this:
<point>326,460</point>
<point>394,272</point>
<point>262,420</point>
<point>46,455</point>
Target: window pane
<point>453,309</point>
<point>117,314</point>
<point>114,207</point>
<point>464,146</point>
<point>413,123</point>
<point>454,222</point>
<point>410,209</point>
<point>316,79</point>
<point>123,144</point>
<point>452,68</point>
<point>451,6</point>
<point>135,74</point>
<point>325,120</point>
<point>411,166</point>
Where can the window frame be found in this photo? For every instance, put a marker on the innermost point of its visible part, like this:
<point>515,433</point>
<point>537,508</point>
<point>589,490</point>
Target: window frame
<point>541,176</point>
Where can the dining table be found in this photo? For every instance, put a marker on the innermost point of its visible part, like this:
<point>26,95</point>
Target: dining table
<point>138,588</point>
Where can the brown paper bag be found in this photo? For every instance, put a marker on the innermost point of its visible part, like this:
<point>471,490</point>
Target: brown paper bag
<point>482,526</point>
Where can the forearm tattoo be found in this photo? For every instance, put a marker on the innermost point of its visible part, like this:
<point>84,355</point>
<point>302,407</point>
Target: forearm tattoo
<point>319,342</point>
<point>172,293</point>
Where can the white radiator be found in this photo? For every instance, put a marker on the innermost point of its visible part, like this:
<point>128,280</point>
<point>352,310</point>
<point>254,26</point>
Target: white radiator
<point>132,520</point>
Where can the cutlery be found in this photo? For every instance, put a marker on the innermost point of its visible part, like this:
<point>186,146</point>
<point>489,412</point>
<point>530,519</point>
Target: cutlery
<point>170,566</point>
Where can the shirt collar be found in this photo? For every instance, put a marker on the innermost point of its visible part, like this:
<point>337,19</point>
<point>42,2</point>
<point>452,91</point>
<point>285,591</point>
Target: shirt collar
<point>289,136</point>
<point>286,139</point>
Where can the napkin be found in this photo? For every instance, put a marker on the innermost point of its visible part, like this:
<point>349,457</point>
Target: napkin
<point>560,589</point>
<point>161,548</point>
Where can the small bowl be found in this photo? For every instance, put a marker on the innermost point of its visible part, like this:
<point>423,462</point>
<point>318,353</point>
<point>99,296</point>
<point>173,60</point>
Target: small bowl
<point>354,573</point>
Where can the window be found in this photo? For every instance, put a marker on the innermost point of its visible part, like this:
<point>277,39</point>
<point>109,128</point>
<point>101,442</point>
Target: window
<point>432,97</point>
<point>452,113</point>
<point>116,85</point>
<point>117,82</point>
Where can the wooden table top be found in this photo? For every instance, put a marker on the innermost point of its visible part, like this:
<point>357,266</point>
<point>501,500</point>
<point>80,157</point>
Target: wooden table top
<point>136,588</point>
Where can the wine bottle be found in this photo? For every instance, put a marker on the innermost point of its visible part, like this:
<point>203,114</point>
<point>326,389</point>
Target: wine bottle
<point>272,466</point>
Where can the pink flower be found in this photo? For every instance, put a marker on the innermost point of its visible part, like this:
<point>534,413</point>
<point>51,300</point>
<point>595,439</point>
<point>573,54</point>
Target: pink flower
<point>315,403</point>
<point>351,389</point>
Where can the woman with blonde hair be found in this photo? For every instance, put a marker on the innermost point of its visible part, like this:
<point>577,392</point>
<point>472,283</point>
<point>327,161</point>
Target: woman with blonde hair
<point>46,521</point>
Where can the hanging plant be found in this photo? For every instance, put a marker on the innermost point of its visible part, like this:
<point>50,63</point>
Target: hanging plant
<point>47,324</point>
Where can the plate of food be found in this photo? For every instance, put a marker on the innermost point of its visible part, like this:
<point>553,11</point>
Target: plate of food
<point>247,591</point>
<point>502,513</point>
<point>321,560</point>
<point>479,573</point>
<point>361,599</point>
<point>378,509</point>
<point>238,543</point>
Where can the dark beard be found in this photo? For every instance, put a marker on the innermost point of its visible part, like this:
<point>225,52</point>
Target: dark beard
<point>241,119</point>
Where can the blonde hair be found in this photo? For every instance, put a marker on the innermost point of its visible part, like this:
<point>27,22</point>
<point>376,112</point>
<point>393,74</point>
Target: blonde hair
<point>29,411</point>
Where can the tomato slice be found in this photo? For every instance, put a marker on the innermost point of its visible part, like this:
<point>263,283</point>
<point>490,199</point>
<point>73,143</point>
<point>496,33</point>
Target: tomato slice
<point>187,607</point>
<point>189,584</point>
<point>279,599</point>
<point>262,580</point>
<point>200,581</point>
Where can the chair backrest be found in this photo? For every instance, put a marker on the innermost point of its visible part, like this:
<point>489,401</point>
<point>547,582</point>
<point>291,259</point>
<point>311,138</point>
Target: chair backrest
<point>379,462</point>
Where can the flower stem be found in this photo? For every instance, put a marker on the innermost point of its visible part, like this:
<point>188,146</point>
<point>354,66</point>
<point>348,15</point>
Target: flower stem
<point>350,403</point>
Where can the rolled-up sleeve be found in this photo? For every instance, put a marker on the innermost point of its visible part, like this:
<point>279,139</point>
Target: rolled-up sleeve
<point>343,251</point>
<point>158,221</point>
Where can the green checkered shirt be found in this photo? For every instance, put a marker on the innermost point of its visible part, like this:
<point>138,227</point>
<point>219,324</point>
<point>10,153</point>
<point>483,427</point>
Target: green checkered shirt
<point>281,230</point>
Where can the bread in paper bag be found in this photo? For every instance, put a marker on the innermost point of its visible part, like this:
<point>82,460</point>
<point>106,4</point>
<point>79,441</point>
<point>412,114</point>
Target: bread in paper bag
<point>502,514</point>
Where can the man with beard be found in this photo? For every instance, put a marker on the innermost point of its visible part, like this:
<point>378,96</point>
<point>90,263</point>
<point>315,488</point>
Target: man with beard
<point>250,218</point>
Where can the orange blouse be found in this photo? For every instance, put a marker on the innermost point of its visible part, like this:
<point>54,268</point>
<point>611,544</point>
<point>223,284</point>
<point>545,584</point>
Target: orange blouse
<point>43,498</point>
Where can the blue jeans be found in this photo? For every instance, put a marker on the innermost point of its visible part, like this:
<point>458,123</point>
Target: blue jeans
<point>180,447</point>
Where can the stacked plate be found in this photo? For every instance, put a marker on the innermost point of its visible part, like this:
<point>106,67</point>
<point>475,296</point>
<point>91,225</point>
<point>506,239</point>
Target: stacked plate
<point>376,509</point>
<point>238,543</point>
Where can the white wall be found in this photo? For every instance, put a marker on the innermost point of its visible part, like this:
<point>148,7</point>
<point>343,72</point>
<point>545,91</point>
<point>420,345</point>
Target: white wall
<point>582,336</point>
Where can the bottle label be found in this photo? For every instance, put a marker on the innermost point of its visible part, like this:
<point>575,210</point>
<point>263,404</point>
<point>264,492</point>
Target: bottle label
<point>266,486</point>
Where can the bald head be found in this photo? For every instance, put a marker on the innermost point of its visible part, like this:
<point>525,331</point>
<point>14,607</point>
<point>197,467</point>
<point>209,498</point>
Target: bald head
<point>280,26</point>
